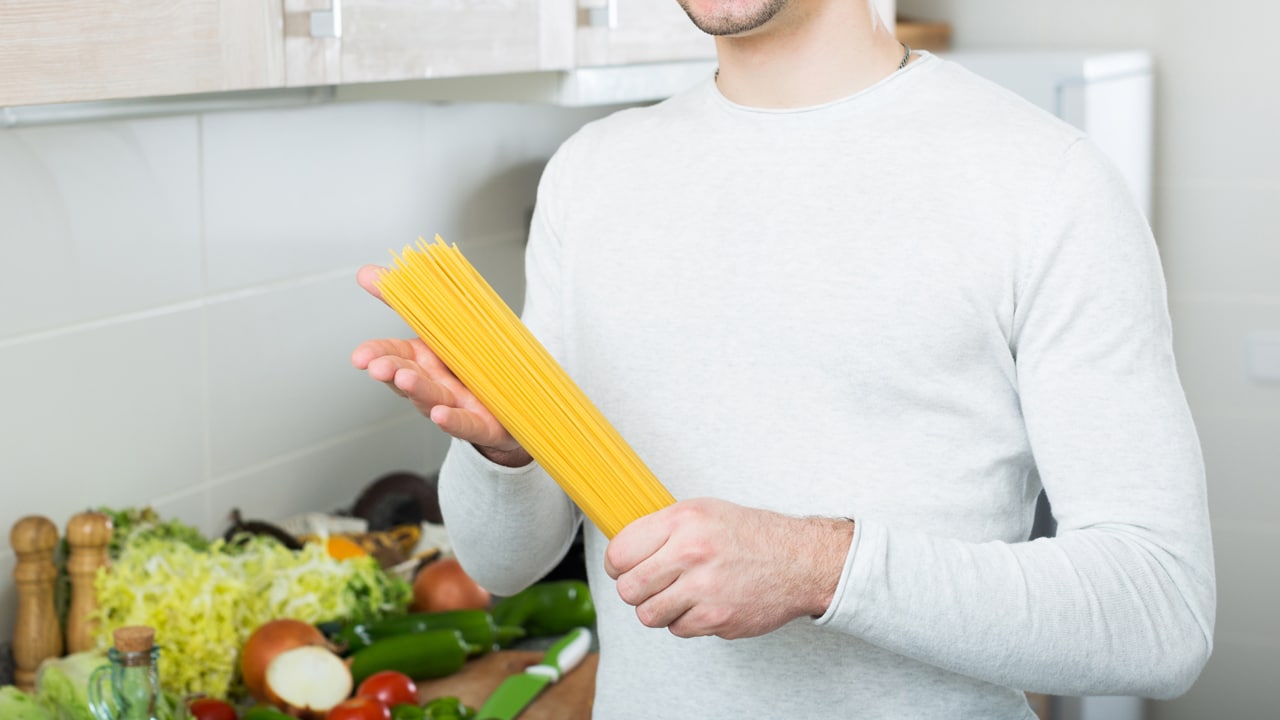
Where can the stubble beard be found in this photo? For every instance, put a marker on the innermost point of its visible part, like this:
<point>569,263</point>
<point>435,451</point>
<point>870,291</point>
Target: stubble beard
<point>734,20</point>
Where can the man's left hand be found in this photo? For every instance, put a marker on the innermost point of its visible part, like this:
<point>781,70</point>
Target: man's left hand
<point>710,567</point>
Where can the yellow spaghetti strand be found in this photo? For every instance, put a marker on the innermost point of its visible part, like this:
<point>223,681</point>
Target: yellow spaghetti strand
<point>466,323</point>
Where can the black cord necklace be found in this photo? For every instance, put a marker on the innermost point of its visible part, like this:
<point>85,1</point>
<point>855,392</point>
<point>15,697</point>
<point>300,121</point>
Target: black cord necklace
<point>906,57</point>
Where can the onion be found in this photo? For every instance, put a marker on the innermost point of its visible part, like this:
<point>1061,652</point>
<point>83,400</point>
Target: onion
<point>269,640</point>
<point>444,585</point>
<point>307,681</point>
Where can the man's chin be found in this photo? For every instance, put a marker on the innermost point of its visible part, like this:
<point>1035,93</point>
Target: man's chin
<point>733,18</point>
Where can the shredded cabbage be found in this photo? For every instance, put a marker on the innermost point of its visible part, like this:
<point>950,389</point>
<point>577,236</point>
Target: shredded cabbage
<point>127,522</point>
<point>204,604</point>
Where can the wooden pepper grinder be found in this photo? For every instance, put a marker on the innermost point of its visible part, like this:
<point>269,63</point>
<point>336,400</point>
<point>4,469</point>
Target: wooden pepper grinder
<point>36,634</point>
<point>88,535</point>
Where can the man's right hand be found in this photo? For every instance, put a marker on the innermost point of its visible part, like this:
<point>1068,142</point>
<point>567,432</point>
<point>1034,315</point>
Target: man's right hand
<point>410,369</point>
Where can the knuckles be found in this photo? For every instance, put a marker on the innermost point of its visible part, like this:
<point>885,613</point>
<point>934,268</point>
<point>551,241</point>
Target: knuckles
<point>614,562</point>
<point>649,615</point>
<point>628,586</point>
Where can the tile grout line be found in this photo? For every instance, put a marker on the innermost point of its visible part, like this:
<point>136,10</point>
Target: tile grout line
<point>206,385</point>
<point>483,242</point>
<point>282,458</point>
<point>177,307</point>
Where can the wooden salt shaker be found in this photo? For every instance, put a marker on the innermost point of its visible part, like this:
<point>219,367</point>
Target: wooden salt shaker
<point>36,633</point>
<point>88,535</point>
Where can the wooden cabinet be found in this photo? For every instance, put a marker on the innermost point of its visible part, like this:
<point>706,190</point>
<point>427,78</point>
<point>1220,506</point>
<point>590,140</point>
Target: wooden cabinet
<point>620,32</point>
<point>55,51</point>
<point>390,40</point>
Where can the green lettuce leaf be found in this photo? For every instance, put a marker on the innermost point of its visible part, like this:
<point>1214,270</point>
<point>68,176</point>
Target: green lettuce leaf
<point>62,684</point>
<point>17,705</point>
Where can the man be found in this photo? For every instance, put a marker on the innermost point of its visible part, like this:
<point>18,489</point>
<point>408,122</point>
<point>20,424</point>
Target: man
<point>855,307</point>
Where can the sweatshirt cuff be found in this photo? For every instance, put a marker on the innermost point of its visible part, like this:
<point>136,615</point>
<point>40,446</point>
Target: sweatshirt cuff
<point>473,457</point>
<point>859,566</point>
<point>474,485</point>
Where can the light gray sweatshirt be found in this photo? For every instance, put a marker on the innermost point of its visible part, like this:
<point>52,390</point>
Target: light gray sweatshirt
<point>915,307</point>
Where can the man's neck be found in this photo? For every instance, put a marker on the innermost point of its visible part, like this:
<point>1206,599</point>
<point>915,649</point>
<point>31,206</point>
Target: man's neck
<point>812,53</point>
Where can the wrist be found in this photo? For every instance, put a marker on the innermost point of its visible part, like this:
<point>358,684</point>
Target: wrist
<point>830,541</point>
<point>513,458</point>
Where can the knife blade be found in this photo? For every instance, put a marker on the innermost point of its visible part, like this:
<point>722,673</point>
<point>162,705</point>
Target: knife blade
<point>517,691</point>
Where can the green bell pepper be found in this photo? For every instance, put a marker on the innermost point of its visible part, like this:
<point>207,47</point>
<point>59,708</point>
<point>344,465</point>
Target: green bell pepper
<point>548,608</point>
<point>408,711</point>
<point>448,708</point>
<point>476,626</point>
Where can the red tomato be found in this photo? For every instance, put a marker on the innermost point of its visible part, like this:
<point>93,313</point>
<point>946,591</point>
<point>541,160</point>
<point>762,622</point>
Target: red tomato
<point>391,687</point>
<point>211,709</point>
<point>359,708</point>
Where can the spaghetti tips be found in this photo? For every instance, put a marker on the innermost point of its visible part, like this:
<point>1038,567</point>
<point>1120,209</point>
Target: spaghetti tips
<point>464,321</point>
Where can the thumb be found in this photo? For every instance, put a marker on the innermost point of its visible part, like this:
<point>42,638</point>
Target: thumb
<point>367,277</point>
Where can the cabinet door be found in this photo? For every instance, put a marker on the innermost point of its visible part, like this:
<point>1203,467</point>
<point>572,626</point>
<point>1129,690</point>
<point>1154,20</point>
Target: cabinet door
<point>387,40</point>
<point>55,51</point>
<point>617,32</point>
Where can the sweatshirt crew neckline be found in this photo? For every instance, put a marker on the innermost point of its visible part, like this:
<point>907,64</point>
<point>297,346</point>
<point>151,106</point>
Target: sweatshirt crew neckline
<point>925,61</point>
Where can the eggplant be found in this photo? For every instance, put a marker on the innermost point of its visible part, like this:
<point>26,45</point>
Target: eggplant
<point>240,527</point>
<point>398,498</point>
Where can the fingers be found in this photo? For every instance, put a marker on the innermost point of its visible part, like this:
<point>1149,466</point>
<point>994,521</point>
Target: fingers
<point>406,378</point>
<point>706,567</point>
<point>666,611</point>
<point>437,396</point>
<point>467,426</point>
<point>640,559</point>
<point>636,542</point>
<point>367,351</point>
<point>367,277</point>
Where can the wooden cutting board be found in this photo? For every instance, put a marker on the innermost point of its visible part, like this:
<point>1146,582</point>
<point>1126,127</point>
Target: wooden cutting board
<point>569,699</point>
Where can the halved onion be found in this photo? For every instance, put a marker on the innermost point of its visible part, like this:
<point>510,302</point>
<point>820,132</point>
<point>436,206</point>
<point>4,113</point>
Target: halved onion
<point>268,641</point>
<point>307,682</point>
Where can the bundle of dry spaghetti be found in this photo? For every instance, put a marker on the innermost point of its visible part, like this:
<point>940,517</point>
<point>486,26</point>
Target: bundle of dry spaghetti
<point>460,317</point>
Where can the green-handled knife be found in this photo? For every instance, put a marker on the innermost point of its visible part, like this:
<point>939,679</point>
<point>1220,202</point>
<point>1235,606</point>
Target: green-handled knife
<point>517,691</point>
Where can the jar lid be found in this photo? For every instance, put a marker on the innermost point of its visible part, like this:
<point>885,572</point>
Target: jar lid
<point>134,638</point>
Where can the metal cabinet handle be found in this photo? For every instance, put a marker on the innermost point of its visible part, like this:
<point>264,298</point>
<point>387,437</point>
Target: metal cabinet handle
<point>327,23</point>
<point>598,13</point>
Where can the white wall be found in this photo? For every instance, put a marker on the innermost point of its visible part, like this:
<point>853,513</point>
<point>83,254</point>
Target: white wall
<point>1217,212</point>
<point>179,305</point>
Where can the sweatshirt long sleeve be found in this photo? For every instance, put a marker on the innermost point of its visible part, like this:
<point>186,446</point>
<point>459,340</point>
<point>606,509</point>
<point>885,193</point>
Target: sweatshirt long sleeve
<point>916,307</point>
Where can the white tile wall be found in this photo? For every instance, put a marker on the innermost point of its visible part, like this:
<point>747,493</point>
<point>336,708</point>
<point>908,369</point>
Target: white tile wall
<point>190,505</point>
<point>283,357</point>
<point>1243,468</point>
<point>1227,253</point>
<point>1238,682</point>
<point>304,191</point>
<point>1216,122</point>
<point>1211,342</point>
<point>1038,23</point>
<point>8,593</point>
<point>110,414</point>
<point>1250,613</point>
<point>328,476</point>
<point>179,306</point>
<point>96,220</point>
